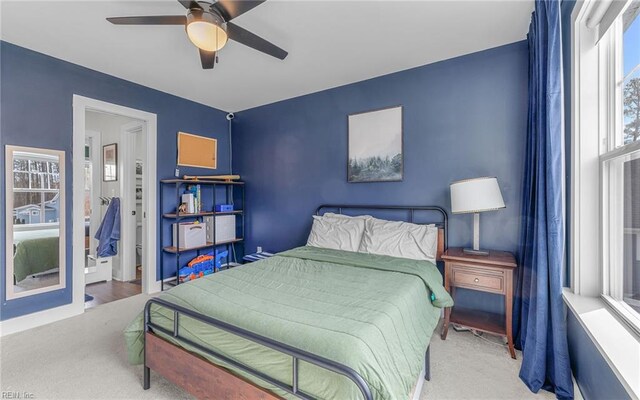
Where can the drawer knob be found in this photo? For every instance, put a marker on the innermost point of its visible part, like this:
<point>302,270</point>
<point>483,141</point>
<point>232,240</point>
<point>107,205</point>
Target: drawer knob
<point>476,280</point>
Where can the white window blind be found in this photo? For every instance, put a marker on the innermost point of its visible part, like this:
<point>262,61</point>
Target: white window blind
<point>603,14</point>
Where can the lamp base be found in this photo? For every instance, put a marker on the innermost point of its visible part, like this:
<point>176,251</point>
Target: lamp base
<point>475,252</point>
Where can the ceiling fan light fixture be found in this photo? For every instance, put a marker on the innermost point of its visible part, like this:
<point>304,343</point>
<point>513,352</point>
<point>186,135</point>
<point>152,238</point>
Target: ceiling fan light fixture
<point>208,26</point>
<point>207,31</point>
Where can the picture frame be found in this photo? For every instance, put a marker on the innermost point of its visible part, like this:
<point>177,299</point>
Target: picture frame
<point>110,162</point>
<point>375,146</point>
<point>138,167</point>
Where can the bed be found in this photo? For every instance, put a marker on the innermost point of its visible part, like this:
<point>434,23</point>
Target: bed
<point>307,323</point>
<point>35,252</point>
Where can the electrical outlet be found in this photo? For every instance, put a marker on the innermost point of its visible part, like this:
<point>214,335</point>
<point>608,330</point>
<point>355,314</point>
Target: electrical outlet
<point>259,249</point>
<point>177,173</point>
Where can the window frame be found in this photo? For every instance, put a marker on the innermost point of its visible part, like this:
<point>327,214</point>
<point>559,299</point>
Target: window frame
<point>42,215</point>
<point>597,140</point>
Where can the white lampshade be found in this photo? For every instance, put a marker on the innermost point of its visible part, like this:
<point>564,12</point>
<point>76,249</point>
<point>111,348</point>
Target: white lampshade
<point>207,31</point>
<point>206,36</point>
<point>476,195</point>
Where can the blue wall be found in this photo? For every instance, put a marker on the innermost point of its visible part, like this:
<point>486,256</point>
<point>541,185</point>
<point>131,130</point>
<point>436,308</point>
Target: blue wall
<point>36,109</point>
<point>463,117</point>
<point>592,373</point>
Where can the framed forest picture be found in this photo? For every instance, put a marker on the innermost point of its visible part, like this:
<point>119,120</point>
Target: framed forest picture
<point>375,146</point>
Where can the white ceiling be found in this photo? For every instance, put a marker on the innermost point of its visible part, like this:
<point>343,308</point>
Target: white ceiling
<point>330,43</point>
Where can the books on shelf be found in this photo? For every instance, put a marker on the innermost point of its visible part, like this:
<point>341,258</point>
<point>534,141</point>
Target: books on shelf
<point>199,199</point>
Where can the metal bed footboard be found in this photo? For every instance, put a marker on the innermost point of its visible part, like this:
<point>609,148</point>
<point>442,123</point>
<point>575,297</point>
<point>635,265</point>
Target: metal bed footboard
<point>295,353</point>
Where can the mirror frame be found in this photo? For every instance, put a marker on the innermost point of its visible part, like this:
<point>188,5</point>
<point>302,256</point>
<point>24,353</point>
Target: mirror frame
<point>9,152</point>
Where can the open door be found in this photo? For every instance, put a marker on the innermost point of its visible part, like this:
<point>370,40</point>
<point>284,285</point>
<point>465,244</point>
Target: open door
<point>92,167</point>
<point>133,230</point>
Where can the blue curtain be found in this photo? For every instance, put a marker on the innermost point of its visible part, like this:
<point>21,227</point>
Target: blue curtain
<point>539,323</point>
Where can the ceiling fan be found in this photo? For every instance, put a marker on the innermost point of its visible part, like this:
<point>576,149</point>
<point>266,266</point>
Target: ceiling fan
<point>208,27</point>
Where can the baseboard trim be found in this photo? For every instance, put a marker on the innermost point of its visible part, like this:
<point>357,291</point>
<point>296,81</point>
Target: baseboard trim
<point>34,320</point>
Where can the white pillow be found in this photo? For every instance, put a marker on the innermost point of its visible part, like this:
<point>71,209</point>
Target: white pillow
<point>336,233</point>
<point>400,239</point>
<point>342,216</point>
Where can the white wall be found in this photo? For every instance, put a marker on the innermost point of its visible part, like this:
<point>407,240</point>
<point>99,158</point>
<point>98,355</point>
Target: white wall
<point>109,127</point>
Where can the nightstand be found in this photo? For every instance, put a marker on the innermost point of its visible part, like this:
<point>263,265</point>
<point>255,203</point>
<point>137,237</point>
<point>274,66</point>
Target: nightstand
<point>492,274</point>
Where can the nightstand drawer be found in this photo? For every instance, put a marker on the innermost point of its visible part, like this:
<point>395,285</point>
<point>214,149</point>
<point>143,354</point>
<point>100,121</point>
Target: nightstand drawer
<point>463,276</point>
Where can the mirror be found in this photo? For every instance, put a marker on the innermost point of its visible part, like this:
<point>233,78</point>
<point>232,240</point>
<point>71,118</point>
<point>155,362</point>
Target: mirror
<point>35,218</point>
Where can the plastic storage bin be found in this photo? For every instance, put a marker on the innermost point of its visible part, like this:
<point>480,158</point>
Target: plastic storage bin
<point>225,228</point>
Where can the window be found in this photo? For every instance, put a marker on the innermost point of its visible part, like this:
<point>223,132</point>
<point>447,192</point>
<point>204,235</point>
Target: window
<point>631,72</point>
<point>620,163</point>
<point>604,212</point>
<point>36,189</point>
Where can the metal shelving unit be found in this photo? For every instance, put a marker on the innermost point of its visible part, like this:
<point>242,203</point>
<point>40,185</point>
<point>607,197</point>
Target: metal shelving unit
<point>233,191</point>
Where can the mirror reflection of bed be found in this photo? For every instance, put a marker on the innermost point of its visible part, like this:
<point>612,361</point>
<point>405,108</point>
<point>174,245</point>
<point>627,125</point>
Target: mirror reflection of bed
<point>35,214</point>
<point>35,259</point>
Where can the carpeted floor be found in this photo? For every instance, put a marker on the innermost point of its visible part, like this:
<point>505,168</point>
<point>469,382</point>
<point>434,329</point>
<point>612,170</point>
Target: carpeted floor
<point>84,358</point>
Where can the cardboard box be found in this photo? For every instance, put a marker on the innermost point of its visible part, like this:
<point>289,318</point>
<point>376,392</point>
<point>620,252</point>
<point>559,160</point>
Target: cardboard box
<point>190,235</point>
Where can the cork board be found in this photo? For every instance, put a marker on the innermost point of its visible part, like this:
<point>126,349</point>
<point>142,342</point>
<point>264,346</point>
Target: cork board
<point>197,151</point>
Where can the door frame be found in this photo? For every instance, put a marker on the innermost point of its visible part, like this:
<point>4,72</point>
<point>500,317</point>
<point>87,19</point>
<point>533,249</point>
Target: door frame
<point>96,182</point>
<point>81,105</point>
<point>128,202</point>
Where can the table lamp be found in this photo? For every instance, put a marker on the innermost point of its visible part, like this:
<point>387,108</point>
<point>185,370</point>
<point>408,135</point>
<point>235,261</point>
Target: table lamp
<point>475,196</point>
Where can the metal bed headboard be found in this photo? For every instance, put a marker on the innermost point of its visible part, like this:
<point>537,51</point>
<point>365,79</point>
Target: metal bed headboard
<point>410,209</point>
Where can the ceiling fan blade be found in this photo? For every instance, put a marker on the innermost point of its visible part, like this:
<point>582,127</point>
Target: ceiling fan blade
<point>254,41</point>
<point>190,4</point>
<point>150,20</point>
<point>230,9</point>
<point>207,58</point>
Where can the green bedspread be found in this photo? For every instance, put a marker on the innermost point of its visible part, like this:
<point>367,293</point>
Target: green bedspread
<point>34,256</point>
<point>375,314</point>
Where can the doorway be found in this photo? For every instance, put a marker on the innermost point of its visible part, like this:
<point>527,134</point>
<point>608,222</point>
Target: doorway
<point>119,161</point>
<point>114,153</point>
